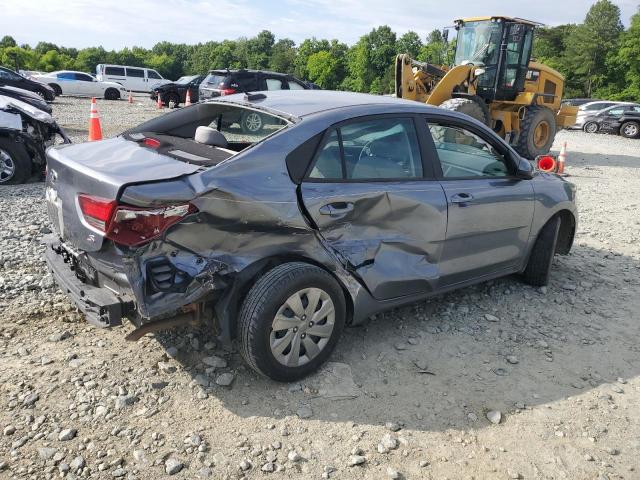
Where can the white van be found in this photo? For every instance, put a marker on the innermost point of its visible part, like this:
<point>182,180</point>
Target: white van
<point>137,79</point>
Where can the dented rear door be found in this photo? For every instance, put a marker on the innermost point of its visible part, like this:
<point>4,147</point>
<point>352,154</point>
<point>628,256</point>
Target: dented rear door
<point>389,232</point>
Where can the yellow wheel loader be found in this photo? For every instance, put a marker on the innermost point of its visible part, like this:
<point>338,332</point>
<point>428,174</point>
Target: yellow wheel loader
<point>494,80</point>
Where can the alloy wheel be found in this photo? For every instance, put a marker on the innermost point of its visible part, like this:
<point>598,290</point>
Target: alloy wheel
<point>253,121</point>
<point>631,130</point>
<point>302,327</point>
<point>591,127</point>
<point>7,167</point>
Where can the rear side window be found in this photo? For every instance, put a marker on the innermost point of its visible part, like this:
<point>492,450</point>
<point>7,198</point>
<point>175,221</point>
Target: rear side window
<point>245,83</point>
<point>66,76</point>
<point>380,149</point>
<point>116,71</point>
<point>464,154</point>
<point>293,85</point>
<point>274,83</point>
<point>135,72</point>
<point>153,74</point>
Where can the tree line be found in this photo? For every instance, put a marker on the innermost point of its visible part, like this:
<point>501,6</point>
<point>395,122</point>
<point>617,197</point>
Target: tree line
<point>598,57</point>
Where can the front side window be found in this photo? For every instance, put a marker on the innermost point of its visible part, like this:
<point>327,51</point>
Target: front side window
<point>83,77</point>
<point>615,112</point>
<point>153,74</point>
<point>8,75</point>
<point>464,154</point>
<point>115,71</point>
<point>380,149</point>
<point>293,85</point>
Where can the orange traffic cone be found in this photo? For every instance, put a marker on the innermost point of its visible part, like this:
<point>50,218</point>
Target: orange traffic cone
<point>160,105</point>
<point>187,100</point>
<point>95,131</point>
<point>562,157</point>
<point>130,97</point>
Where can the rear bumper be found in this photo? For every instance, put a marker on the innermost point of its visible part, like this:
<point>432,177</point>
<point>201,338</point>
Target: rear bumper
<point>101,306</point>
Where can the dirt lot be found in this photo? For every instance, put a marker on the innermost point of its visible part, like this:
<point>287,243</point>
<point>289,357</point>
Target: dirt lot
<point>498,381</point>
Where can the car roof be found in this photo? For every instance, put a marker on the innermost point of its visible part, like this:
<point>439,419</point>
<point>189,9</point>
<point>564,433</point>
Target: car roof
<point>225,71</point>
<point>301,103</point>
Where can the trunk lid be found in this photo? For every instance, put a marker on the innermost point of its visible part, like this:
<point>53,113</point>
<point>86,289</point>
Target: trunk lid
<point>99,169</point>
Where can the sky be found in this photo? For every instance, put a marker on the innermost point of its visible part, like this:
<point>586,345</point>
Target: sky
<point>118,23</point>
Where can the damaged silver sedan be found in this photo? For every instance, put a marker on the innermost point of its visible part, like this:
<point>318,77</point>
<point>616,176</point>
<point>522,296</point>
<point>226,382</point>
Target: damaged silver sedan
<point>342,206</point>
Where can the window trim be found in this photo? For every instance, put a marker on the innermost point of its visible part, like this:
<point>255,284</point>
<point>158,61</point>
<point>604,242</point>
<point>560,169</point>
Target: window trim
<point>427,171</point>
<point>501,148</point>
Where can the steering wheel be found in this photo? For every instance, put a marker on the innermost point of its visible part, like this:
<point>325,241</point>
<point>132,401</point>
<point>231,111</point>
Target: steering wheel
<point>366,150</point>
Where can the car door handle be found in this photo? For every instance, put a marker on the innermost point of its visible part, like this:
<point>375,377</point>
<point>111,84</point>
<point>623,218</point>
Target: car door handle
<point>461,198</point>
<point>336,208</point>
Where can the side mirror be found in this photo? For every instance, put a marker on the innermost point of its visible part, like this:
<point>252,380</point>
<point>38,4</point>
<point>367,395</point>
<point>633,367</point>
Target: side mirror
<point>524,169</point>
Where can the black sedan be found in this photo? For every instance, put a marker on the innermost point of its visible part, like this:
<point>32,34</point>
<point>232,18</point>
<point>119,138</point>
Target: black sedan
<point>621,120</point>
<point>342,206</point>
<point>26,96</point>
<point>176,92</point>
<point>12,79</point>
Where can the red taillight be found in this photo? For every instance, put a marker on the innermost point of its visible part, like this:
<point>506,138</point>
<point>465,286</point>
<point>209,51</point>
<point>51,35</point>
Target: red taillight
<point>130,226</point>
<point>151,142</point>
<point>546,163</point>
<point>227,91</point>
<point>96,211</point>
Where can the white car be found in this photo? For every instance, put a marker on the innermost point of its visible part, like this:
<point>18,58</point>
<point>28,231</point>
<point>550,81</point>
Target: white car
<point>81,84</point>
<point>137,79</point>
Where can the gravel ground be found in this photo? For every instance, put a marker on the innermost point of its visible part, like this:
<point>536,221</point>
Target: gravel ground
<point>497,381</point>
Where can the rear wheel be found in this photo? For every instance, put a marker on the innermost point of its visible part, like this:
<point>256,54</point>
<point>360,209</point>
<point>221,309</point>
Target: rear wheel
<point>537,271</point>
<point>590,127</point>
<point>467,106</point>
<point>251,122</point>
<point>111,94</point>
<point>290,321</point>
<point>630,129</point>
<point>171,97</point>
<point>537,132</point>
<point>15,165</point>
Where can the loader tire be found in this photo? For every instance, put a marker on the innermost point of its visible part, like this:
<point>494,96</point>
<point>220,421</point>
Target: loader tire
<point>537,132</point>
<point>467,106</point>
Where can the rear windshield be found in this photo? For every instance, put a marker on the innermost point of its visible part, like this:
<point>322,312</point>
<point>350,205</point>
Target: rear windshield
<point>214,80</point>
<point>241,128</point>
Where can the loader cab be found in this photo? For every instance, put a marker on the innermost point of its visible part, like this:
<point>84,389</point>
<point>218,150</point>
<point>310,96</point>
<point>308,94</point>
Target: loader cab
<point>501,46</point>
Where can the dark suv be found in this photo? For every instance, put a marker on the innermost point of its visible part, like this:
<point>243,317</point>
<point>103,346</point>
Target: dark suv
<point>621,120</point>
<point>12,79</point>
<point>176,92</point>
<point>228,82</point>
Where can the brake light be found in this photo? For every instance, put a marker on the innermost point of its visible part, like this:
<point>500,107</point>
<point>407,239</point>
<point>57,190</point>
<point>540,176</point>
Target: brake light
<point>96,211</point>
<point>227,91</point>
<point>131,226</point>
<point>151,142</point>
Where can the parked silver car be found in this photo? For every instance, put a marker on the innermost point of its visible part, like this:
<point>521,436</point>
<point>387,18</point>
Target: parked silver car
<point>344,205</point>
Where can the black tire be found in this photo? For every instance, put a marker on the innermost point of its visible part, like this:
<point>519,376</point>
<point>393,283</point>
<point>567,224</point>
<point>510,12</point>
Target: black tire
<point>251,122</point>
<point>111,94</point>
<point>529,145</point>
<point>590,127</point>
<point>14,156</point>
<point>467,106</point>
<point>171,97</point>
<point>260,306</point>
<point>538,267</point>
<point>630,129</point>
<point>56,89</point>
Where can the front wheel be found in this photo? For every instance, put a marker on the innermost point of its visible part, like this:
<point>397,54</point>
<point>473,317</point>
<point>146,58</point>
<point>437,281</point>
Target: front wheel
<point>15,165</point>
<point>111,94</point>
<point>537,132</point>
<point>538,267</point>
<point>290,321</point>
<point>630,129</point>
<point>590,127</point>
<point>171,97</point>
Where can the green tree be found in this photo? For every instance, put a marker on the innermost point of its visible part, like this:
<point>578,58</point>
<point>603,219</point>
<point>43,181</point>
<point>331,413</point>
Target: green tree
<point>626,65</point>
<point>371,60</point>
<point>409,43</point>
<point>283,56</point>
<point>7,41</point>
<point>435,50</point>
<point>17,57</point>
<point>323,69</point>
<point>589,45</point>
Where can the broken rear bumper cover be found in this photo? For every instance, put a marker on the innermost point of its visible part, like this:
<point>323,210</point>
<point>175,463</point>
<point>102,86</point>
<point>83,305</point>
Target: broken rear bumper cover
<point>101,306</point>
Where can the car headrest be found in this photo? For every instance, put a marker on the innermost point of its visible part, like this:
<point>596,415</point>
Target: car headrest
<point>210,136</point>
